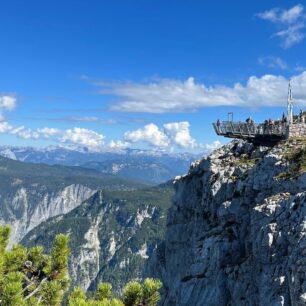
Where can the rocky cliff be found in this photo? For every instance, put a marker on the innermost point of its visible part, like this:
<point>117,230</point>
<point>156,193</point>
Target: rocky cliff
<point>236,231</point>
<point>26,208</point>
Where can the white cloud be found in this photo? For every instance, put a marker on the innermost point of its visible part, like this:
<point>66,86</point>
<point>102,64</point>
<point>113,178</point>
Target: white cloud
<point>25,133</point>
<point>150,134</point>
<point>179,134</point>
<point>49,132</point>
<point>118,145</point>
<point>173,135</point>
<point>21,131</point>
<point>291,23</point>
<point>7,103</point>
<point>84,137</point>
<point>178,96</point>
<point>272,62</point>
<point>277,15</point>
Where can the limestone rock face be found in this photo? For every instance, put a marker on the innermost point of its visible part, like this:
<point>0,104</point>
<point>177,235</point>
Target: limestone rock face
<point>236,231</point>
<point>25,208</point>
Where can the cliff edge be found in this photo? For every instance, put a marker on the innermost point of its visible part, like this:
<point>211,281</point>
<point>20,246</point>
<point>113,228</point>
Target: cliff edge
<point>236,230</point>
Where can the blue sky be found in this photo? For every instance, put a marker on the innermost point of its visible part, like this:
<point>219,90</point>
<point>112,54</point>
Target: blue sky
<point>149,74</point>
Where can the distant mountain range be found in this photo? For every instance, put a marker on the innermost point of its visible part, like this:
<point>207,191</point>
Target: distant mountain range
<point>152,167</point>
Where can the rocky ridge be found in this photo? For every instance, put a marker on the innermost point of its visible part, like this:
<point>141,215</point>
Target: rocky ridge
<point>236,231</point>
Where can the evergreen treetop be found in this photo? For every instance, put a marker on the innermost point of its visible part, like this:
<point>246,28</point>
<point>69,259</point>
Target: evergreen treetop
<point>29,277</point>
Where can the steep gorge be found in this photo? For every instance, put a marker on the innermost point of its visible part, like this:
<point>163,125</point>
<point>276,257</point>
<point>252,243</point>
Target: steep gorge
<point>112,234</point>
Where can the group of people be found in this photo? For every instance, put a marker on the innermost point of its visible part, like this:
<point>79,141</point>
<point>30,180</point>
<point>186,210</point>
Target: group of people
<point>249,120</point>
<point>269,124</point>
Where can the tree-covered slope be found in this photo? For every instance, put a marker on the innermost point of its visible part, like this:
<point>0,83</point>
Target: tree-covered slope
<point>112,234</point>
<point>14,172</point>
<point>31,193</point>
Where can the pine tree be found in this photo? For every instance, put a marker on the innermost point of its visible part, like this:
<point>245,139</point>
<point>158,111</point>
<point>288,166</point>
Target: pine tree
<point>28,277</point>
<point>134,294</point>
<point>146,294</point>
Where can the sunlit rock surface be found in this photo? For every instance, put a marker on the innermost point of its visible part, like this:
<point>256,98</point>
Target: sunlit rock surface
<point>27,208</point>
<point>236,229</point>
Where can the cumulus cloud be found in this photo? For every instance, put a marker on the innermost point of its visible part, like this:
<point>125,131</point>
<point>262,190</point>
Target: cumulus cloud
<point>49,132</point>
<point>83,137</point>
<point>76,136</point>
<point>118,145</point>
<point>24,133</point>
<point>150,134</point>
<point>291,24</point>
<point>166,95</point>
<point>179,134</point>
<point>21,131</point>
<point>171,136</point>
<point>272,62</point>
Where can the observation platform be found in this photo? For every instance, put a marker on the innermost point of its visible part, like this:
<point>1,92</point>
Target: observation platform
<point>258,133</point>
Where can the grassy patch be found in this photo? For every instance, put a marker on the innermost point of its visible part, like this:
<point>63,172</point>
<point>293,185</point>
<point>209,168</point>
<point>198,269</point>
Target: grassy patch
<point>245,160</point>
<point>296,157</point>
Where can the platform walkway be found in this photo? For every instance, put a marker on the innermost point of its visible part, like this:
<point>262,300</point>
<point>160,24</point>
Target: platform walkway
<point>263,132</point>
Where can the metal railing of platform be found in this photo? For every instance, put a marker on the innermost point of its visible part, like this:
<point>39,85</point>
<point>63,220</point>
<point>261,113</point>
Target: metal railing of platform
<point>243,129</point>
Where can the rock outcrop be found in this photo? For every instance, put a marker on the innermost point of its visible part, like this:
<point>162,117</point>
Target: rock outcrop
<point>236,231</point>
<point>28,207</point>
